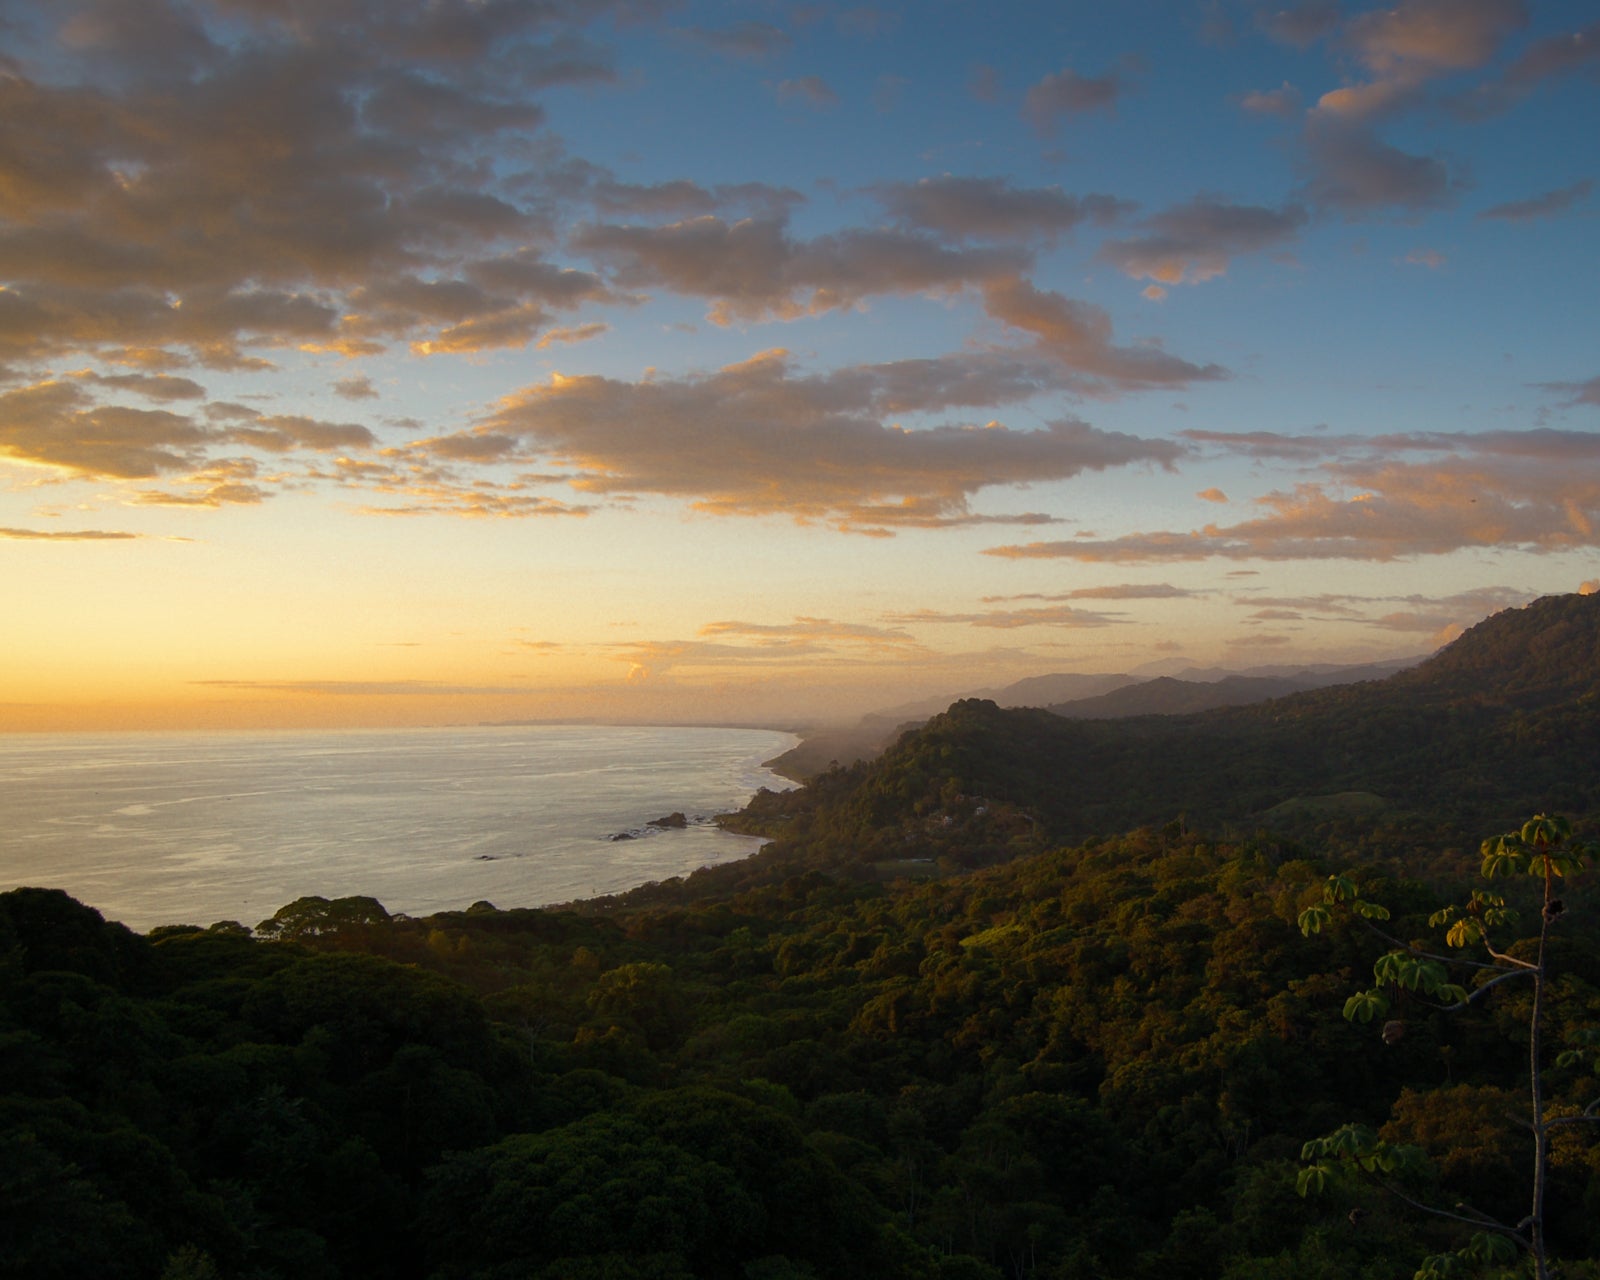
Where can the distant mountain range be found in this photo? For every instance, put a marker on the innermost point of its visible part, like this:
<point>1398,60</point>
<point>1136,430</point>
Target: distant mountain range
<point>1201,690</point>
<point>1087,697</point>
<point>1502,723</point>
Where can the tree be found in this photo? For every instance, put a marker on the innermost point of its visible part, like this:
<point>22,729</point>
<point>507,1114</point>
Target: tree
<point>1543,848</point>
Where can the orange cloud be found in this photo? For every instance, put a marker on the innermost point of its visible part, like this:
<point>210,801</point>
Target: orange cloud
<point>801,645</point>
<point>1078,336</point>
<point>1424,37</point>
<point>66,535</point>
<point>1520,500</point>
<point>56,424</point>
<point>1012,619</point>
<point>1282,101</point>
<point>1119,591</point>
<point>759,438</point>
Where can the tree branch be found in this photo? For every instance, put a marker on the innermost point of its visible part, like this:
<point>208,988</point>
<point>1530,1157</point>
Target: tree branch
<point>1411,948</point>
<point>1478,1218</point>
<point>1475,993</point>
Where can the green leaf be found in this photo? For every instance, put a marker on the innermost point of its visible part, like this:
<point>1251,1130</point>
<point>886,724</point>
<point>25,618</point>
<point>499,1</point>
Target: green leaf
<point>1313,918</point>
<point>1312,1180</point>
<point>1488,1247</point>
<point>1371,910</point>
<point>1441,1266</point>
<point>1543,830</point>
<point>1364,1006</point>
<point>1393,966</point>
<point>1351,1140</point>
<point>1428,977</point>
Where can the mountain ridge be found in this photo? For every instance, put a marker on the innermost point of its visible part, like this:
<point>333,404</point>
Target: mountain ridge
<point>1500,724</point>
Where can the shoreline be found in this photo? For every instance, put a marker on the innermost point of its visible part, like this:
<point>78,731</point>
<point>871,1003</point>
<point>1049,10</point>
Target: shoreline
<point>173,826</point>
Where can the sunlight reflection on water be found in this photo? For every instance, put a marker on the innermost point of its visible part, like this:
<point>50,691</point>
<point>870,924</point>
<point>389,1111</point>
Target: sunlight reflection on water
<point>154,828</point>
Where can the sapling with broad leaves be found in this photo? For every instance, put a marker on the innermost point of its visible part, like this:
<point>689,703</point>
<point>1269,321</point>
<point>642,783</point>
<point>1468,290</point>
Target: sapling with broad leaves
<point>1543,848</point>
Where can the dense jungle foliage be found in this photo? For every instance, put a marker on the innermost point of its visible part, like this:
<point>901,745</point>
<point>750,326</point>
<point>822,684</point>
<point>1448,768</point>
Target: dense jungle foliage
<point>925,1035</point>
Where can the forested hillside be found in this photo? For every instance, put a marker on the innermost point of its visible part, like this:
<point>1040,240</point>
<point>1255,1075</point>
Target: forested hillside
<point>1502,723</point>
<point>853,1056</point>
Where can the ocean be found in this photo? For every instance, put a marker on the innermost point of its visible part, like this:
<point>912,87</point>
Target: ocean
<point>193,828</point>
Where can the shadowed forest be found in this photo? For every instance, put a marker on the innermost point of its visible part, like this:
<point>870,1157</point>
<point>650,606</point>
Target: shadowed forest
<point>1023,997</point>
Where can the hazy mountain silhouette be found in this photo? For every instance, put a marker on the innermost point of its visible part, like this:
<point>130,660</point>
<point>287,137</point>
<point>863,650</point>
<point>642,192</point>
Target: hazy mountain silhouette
<point>1203,690</point>
<point>1080,696</point>
<point>1502,723</point>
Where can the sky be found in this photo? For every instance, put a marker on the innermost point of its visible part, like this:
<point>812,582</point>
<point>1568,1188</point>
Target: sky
<point>369,363</point>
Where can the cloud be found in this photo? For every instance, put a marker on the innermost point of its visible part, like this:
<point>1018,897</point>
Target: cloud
<point>195,184</point>
<point>811,91</point>
<point>1078,336</point>
<point>55,424</point>
<point>1302,24</point>
<point>355,387</point>
<point>200,493</point>
<point>1536,493</point>
<point>818,630</point>
<point>984,83</point>
<point>578,333</point>
<point>1552,58</point>
<point>804,644</point>
<point>1013,619</point>
<point>1350,168</point>
<point>1526,490</point>
<point>1547,205</point>
<point>681,198</point>
<point>1212,495</point>
<point>1193,242</point>
<point>753,270</point>
<point>1577,392</point>
<point>1282,101</point>
<point>1118,591</point>
<point>1418,38</point>
<point>754,41</point>
<point>160,386</point>
<point>1430,258</point>
<point>369,688</point>
<point>1066,93</point>
<point>760,438</point>
<point>1542,444</point>
<point>992,209</point>
<point>285,433</point>
<point>1353,171</point>
<point>1435,616</point>
<point>66,535</point>
<point>1555,56</point>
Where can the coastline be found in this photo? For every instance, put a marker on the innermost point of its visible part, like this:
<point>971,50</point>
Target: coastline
<point>172,826</point>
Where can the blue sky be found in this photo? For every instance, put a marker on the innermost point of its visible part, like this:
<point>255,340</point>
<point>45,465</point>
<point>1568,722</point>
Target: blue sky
<point>372,363</point>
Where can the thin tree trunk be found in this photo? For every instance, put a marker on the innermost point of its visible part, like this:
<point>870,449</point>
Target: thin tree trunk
<point>1541,1139</point>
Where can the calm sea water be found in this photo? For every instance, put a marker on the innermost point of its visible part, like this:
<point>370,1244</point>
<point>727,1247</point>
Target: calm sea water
<point>166,828</point>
